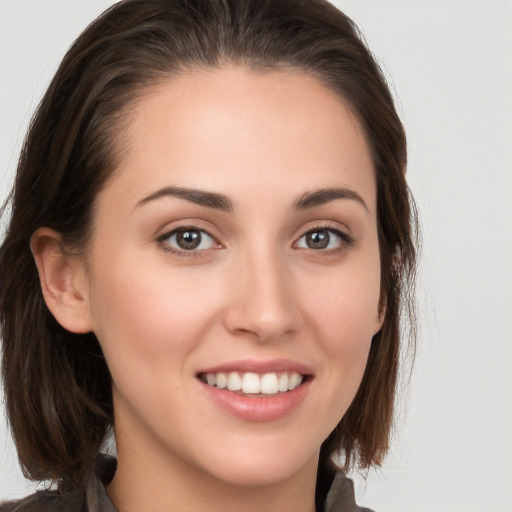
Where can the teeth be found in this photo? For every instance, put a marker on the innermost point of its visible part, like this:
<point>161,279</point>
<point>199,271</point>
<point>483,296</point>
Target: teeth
<point>252,383</point>
<point>222,380</point>
<point>269,384</point>
<point>294,380</point>
<point>283,382</point>
<point>234,381</point>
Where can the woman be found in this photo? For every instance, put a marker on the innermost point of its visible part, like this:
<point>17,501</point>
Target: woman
<point>210,246</point>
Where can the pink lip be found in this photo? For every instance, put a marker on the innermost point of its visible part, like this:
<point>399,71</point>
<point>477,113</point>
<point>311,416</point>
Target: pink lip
<point>257,409</point>
<point>260,367</point>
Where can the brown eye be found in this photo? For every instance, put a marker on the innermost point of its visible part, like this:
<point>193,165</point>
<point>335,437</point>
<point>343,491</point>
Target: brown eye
<point>318,239</point>
<point>188,239</point>
<point>323,239</point>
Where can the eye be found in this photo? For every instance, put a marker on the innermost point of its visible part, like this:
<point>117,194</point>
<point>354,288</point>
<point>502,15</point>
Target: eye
<point>323,239</point>
<point>187,239</point>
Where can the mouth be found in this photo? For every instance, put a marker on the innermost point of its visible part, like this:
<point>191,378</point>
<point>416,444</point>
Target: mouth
<point>257,391</point>
<point>255,385</point>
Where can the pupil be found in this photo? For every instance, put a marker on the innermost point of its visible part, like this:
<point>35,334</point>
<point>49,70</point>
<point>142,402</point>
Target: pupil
<point>188,239</point>
<point>317,239</point>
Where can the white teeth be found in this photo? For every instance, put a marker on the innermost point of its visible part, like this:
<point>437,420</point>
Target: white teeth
<point>294,381</point>
<point>234,381</point>
<point>283,382</point>
<point>222,380</point>
<point>252,383</point>
<point>269,384</point>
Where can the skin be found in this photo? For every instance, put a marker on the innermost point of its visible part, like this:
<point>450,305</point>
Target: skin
<point>254,290</point>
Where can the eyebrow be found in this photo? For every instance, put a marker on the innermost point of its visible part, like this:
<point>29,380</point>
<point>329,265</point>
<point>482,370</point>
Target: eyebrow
<point>201,197</point>
<point>326,195</point>
<point>224,203</point>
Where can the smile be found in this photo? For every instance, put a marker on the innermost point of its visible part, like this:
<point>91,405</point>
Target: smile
<point>257,391</point>
<point>250,383</point>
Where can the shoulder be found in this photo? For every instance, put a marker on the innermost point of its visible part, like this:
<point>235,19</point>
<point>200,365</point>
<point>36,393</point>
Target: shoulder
<point>45,501</point>
<point>341,496</point>
<point>75,500</point>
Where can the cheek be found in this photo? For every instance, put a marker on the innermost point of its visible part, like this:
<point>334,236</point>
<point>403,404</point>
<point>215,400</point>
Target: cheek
<point>346,333</point>
<point>344,311</point>
<point>144,313</point>
<point>346,303</point>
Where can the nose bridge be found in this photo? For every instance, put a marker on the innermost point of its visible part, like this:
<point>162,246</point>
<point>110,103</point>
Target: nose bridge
<point>263,303</point>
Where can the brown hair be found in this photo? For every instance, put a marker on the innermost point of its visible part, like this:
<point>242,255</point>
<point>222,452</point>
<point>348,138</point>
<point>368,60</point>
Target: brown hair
<point>57,384</point>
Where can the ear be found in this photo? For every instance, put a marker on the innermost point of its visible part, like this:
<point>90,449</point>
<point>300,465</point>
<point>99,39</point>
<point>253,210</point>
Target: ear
<point>63,281</point>
<point>381,315</point>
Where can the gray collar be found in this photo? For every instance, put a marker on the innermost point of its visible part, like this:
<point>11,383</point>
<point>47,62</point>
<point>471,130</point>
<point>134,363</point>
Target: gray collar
<point>339,499</point>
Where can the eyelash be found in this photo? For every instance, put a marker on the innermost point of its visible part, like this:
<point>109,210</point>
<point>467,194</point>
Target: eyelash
<point>187,254</point>
<point>347,240</point>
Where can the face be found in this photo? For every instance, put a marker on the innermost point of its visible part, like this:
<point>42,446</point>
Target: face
<point>234,274</point>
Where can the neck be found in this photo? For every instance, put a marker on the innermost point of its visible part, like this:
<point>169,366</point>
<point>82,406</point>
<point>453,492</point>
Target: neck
<point>141,484</point>
<point>150,478</point>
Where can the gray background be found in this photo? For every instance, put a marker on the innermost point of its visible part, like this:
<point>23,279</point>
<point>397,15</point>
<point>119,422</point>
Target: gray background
<point>451,68</point>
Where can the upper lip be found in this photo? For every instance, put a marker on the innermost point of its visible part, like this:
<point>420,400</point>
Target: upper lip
<point>260,367</point>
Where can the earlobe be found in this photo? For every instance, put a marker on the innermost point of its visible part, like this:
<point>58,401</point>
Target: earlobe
<point>381,315</point>
<point>63,281</point>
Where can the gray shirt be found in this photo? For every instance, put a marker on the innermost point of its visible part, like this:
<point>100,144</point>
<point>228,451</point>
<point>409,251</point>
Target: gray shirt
<point>340,498</point>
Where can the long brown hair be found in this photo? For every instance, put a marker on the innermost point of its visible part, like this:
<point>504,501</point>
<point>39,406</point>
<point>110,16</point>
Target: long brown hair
<point>57,384</point>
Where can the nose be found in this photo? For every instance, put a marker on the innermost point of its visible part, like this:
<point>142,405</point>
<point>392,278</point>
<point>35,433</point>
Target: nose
<point>263,302</point>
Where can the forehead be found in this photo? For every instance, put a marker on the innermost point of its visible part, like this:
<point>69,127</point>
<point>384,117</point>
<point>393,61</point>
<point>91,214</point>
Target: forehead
<point>235,128</point>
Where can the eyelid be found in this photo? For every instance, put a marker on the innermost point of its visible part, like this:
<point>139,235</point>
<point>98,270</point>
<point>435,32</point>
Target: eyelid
<point>161,240</point>
<point>347,239</point>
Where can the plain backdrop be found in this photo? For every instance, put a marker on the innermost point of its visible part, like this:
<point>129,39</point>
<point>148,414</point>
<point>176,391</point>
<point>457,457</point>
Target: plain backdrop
<point>451,68</point>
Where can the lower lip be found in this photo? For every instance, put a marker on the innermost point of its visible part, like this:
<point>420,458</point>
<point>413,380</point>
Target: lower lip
<point>258,409</point>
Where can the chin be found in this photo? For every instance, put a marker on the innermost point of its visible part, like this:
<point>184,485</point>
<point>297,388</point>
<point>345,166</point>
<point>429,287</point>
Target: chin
<point>263,465</point>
